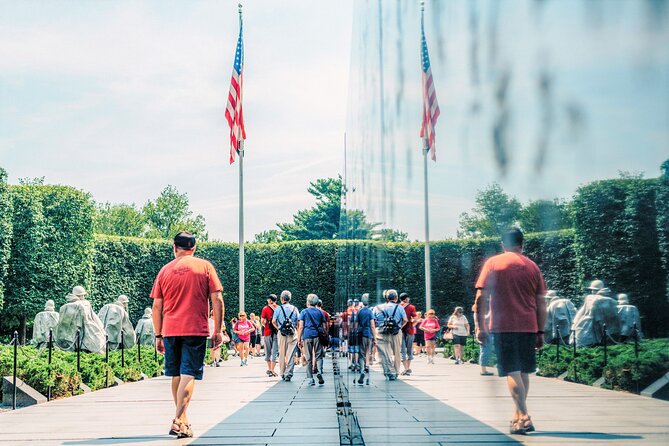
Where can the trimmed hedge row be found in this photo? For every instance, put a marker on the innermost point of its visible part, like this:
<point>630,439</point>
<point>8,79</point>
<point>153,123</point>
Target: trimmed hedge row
<point>129,266</point>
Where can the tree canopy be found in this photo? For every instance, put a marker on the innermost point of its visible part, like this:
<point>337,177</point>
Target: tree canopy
<point>495,210</point>
<point>325,220</point>
<point>163,217</point>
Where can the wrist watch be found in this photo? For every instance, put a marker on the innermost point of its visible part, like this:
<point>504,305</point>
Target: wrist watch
<point>540,332</point>
<point>159,336</point>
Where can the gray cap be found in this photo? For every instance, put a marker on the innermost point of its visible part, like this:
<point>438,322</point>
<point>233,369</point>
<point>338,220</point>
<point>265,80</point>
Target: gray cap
<point>596,285</point>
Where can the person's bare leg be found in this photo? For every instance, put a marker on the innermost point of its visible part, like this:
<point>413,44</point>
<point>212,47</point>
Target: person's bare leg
<point>175,387</point>
<point>518,392</point>
<point>184,395</point>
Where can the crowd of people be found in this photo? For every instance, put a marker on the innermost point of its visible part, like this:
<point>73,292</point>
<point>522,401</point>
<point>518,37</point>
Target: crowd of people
<point>394,331</point>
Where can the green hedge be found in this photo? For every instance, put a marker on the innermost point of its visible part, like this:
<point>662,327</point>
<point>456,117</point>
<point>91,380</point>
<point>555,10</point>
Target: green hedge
<point>129,266</point>
<point>51,249</point>
<point>616,240</point>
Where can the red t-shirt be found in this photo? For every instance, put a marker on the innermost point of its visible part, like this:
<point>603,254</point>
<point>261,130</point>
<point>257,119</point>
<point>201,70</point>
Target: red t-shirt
<point>409,328</point>
<point>185,284</point>
<point>513,282</point>
<point>327,316</point>
<point>267,315</point>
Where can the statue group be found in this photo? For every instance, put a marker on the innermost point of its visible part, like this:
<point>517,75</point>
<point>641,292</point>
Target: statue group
<point>76,325</point>
<point>600,319</point>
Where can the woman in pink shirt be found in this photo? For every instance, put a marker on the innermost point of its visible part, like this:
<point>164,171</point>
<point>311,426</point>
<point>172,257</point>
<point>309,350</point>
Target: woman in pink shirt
<point>243,329</point>
<point>430,327</point>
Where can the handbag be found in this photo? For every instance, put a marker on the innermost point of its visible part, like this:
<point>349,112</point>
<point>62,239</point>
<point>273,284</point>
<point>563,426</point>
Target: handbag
<point>225,338</point>
<point>448,335</point>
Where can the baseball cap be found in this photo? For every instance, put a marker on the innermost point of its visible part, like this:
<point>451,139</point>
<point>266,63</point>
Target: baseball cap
<point>184,240</point>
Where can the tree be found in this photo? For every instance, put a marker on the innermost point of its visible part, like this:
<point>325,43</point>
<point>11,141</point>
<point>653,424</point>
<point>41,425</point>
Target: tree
<point>321,221</point>
<point>494,211</point>
<point>119,219</point>
<point>6,229</point>
<point>169,214</point>
<point>269,236</point>
<point>545,215</point>
<point>392,235</point>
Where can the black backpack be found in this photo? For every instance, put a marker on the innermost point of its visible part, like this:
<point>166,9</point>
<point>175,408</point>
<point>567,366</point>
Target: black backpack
<point>389,325</point>
<point>287,328</point>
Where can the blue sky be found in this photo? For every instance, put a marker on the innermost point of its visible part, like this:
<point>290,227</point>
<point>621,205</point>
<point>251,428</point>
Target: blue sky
<point>122,98</point>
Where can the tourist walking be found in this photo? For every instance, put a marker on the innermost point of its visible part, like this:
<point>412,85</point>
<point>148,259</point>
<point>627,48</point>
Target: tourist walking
<point>256,335</point>
<point>181,294</point>
<point>408,333</point>
<point>269,334</point>
<point>512,288</point>
<point>310,327</point>
<point>367,327</point>
<point>285,321</point>
<point>419,339</point>
<point>430,327</point>
<point>390,318</point>
<point>244,329</point>
<point>459,326</point>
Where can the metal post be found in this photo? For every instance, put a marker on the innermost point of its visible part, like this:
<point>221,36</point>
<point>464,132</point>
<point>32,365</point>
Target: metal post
<point>428,278</point>
<point>50,347</point>
<point>122,351</point>
<point>574,357</point>
<point>636,356</point>
<point>78,350</point>
<point>241,225</point>
<point>606,356</point>
<point>16,352</point>
<point>155,351</point>
<point>139,352</point>
<point>557,357</point>
<point>107,360</point>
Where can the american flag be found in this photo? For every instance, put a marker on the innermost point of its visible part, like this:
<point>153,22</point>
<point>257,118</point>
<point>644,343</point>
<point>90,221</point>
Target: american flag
<point>430,104</point>
<point>233,112</point>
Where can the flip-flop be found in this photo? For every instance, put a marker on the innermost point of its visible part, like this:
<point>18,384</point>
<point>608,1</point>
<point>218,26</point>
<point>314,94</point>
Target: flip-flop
<point>487,374</point>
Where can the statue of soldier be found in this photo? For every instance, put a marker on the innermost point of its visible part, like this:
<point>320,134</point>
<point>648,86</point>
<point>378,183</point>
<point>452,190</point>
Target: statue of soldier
<point>75,315</point>
<point>146,334</point>
<point>598,310</point>
<point>115,320</point>
<point>628,315</point>
<point>559,318</point>
<point>44,321</point>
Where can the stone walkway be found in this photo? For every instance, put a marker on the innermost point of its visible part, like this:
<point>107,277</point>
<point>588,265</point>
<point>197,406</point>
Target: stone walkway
<point>440,404</point>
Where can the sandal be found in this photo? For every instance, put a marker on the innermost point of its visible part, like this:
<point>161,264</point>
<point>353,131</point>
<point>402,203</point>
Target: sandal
<point>186,432</point>
<point>516,429</point>
<point>528,425</point>
<point>179,426</point>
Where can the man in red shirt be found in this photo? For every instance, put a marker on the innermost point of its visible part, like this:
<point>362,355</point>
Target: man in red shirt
<point>269,335</point>
<point>181,294</point>
<point>511,290</point>
<point>408,333</point>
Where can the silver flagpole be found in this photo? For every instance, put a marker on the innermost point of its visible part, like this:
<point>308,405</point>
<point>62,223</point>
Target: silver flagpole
<point>241,225</point>
<point>428,281</point>
<point>241,197</point>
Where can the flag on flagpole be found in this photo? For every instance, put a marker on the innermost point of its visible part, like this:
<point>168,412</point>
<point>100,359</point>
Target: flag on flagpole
<point>430,104</point>
<point>233,111</point>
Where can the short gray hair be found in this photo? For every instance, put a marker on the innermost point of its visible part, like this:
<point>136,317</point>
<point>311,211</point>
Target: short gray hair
<point>312,299</point>
<point>391,295</point>
<point>365,299</point>
<point>286,295</point>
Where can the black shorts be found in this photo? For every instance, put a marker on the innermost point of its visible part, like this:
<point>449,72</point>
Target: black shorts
<point>515,353</point>
<point>419,340</point>
<point>184,355</point>
<point>460,340</point>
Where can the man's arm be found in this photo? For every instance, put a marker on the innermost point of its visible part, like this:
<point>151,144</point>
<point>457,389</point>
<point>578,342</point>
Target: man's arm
<point>300,327</point>
<point>481,307</point>
<point>541,319</point>
<point>218,310</point>
<point>157,309</point>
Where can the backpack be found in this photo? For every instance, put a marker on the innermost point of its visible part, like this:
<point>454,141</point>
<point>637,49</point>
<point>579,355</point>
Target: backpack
<point>389,325</point>
<point>287,327</point>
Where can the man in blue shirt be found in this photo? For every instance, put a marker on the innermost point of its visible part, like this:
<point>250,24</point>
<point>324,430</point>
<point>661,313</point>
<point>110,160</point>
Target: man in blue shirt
<point>390,317</point>
<point>364,319</point>
<point>311,322</point>
<point>285,321</point>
